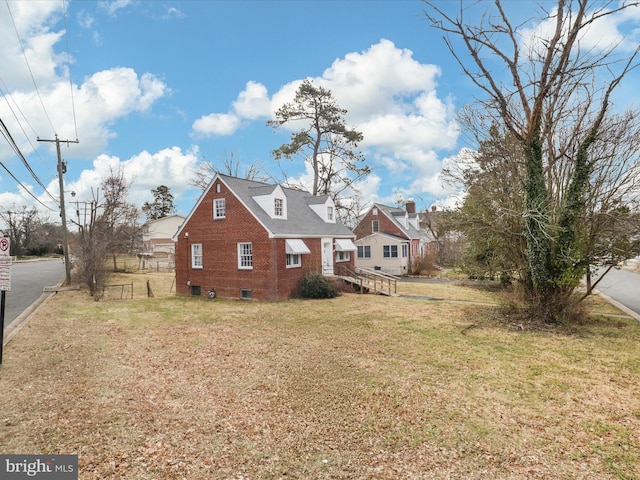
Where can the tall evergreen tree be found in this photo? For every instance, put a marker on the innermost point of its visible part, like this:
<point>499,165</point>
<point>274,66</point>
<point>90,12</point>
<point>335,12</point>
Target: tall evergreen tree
<point>324,141</point>
<point>162,205</point>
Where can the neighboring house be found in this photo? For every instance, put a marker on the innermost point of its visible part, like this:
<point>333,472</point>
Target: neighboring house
<point>390,239</point>
<point>246,239</point>
<point>157,235</point>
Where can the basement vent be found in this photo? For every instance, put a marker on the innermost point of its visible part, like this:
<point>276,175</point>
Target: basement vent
<point>195,290</point>
<point>245,294</point>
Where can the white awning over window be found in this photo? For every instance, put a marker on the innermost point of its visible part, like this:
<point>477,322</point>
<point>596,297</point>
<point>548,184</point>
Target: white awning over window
<point>345,245</point>
<point>296,246</point>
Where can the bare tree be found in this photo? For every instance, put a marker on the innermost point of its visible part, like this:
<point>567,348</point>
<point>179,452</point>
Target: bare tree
<point>30,232</point>
<point>107,226</point>
<point>555,101</point>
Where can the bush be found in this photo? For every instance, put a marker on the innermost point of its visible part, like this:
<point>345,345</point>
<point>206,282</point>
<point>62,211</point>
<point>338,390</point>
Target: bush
<point>315,285</point>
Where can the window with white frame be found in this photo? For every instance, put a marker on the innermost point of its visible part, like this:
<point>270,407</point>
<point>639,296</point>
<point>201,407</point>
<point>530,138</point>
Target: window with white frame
<point>405,250</point>
<point>390,251</point>
<point>294,260</point>
<point>196,255</point>
<point>375,226</point>
<point>343,256</point>
<point>364,251</point>
<point>278,207</point>
<point>245,256</point>
<point>219,208</point>
<point>330,214</point>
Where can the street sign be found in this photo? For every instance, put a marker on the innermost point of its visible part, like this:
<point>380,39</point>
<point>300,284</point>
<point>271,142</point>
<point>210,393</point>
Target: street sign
<point>5,273</point>
<point>5,246</point>
<point>5,264</point>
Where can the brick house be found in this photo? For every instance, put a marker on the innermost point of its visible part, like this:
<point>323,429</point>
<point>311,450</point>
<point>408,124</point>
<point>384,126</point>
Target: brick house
<point>390,239</point>
<point>252,240</point>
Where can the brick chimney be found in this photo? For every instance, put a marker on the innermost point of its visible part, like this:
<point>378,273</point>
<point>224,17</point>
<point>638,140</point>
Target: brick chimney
<point>411,206</point>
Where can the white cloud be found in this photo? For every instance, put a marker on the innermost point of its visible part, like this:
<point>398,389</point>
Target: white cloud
<point>383,79</point>
<point>253,102</point>
<point>34,51</point>
<point>390,96</point>
<point>217,124</point>
<point>97,103</point>
<point>102,99</point>
<point>144,171</point>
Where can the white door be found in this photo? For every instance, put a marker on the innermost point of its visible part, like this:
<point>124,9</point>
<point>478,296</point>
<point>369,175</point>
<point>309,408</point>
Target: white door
<point>327,256</point>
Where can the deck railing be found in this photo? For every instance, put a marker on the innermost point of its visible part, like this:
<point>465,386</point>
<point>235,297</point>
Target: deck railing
<point>365,278</point>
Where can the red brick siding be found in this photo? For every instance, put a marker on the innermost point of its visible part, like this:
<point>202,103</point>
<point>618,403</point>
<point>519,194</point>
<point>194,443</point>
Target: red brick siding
<point>385,225</point>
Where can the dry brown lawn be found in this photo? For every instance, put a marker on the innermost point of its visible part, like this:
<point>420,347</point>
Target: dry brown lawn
<point>357,387</point>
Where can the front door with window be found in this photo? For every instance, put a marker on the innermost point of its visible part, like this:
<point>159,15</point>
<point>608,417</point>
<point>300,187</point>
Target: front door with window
<point>327,256</point>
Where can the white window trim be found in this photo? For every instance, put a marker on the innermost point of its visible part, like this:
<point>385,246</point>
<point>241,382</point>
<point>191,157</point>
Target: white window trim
<point>375,226</point>
<point>241,255</point>
<point>275,208</point>
<point>346,256</point>
<point>291,256</point>
<point>330,212</point>
<point>215,208</point>
<point>194,246</point>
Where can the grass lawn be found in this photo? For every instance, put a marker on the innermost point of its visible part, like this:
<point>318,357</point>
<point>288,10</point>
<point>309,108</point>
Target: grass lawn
<point>357,387</point>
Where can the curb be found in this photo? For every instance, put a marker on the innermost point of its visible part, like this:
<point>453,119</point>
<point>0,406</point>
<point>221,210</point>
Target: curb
<point>22,319</point>
<point>618,305</point>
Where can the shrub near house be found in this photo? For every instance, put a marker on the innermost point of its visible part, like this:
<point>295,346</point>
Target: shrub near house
<point>246,239</point>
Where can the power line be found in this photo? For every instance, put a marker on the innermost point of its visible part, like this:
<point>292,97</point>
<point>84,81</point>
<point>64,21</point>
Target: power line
<point>25,188</point>
<point>29,66</point>
<point>5,93</point>
<point>73,105</point>
<point>7,135</point>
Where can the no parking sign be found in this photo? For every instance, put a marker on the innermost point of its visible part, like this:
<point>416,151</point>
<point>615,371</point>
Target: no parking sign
<point>5,245</point>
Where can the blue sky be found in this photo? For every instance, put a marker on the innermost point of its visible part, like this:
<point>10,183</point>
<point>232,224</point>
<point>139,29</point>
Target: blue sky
<point>156,87</point>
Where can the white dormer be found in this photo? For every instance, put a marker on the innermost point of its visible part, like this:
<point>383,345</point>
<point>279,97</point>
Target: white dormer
<point>325,210</point>
<point>274,203</point>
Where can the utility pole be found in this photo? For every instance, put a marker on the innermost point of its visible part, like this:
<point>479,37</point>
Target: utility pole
<point>63,213</point>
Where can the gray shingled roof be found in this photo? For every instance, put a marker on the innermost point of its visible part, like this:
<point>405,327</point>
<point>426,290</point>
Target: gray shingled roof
<point>301,220</point>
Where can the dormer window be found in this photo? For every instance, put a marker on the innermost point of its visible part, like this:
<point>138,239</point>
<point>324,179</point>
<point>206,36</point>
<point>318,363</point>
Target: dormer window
<point>278,207</point>
<point>330,214</point>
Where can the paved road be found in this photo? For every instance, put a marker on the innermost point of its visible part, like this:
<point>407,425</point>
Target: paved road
<point>28,279</point>
<point>622,285</point>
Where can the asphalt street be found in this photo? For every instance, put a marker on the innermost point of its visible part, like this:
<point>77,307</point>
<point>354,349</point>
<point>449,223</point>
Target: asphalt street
<point>28,280</point>
<point>623,286</point>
